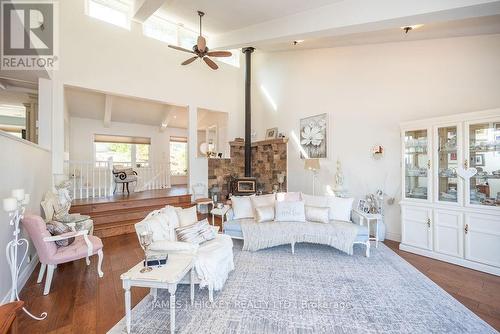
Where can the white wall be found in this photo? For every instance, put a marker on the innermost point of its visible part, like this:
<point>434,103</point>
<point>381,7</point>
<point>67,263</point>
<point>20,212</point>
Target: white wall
<point>24,165</point>
<point>103,57</point>
<point>367,91</point>
<point>82,131</point>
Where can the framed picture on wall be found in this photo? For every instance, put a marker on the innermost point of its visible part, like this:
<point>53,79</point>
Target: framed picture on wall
<point>272,133</point>
<point>314,137</point>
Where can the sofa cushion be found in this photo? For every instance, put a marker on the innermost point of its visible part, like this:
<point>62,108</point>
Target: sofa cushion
<point>264,214</point>
<point>340,208</point>
<point>173,246</point>
<point>263,200</point>
<point>242,207</point>
<point>187,216</point>
<point>288,197</point>
<point>317,214</point>
<point>196,233</point>
<point>290,211</point>
<point>317,201</point>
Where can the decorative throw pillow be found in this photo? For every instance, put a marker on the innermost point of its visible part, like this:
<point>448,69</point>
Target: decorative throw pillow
<point>290,211</point>
<point>288,197</point>
<point>317,214</point>
<point>264,213</point>
<point>187,216</point>
<point>58,228</point>
<point>317,201</point>
<point>340,208</point>
<point>242,207</point>
<point>263,200</point>
<point>196,233</point>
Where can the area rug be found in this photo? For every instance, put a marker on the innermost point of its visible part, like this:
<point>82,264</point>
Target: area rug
<point>316,290</point>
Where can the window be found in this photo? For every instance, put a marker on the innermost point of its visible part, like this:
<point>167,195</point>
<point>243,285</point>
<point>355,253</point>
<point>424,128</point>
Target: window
<point>133,151</point>
<point>178,156</point>
<point>116,12</point>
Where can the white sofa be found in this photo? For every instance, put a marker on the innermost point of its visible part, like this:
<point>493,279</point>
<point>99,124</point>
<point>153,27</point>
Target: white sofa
<point>292,233</point>
<point>214,258</point>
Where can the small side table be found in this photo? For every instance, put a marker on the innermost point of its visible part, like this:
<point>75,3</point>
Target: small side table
<point>165,277</point>
<point>368,217</point>
<point>220,212</point>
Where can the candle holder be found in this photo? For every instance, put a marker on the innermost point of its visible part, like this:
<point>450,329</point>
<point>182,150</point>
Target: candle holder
<point>146,238</point>
<point>16,206</point>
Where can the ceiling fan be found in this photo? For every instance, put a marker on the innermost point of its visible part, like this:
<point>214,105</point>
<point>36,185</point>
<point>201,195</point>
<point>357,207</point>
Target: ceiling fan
<point>201,50</point>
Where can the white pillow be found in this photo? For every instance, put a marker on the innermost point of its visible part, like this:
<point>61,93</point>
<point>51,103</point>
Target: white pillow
<point>242,207</point>
<point>263,200</point>
<point>187,216</point>
<point>264,213</point>
<point>196,233</point>
<point>340,208</point>
<point>287,211</point>
<point>159,227</point>
<point>317,214</point>
<point>317,201</point>
<point>288,197</point>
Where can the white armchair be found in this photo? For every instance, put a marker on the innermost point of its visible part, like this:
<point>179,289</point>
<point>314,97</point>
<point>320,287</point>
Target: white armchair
<point>214,258</point>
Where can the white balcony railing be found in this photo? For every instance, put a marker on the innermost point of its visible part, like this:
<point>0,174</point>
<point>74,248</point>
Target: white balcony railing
<point>93,179</point>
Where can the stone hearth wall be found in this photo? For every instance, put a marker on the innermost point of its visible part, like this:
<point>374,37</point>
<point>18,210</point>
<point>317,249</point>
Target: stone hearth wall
<point>269,158</point>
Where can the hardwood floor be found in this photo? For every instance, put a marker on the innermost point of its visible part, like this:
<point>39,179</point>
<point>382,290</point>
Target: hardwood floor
<point>79,302</point>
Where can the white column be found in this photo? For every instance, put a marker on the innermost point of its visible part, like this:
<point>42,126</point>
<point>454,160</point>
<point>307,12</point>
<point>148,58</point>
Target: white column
<point>57,127</point>
<point>45,113</point>
<point>198,166</point>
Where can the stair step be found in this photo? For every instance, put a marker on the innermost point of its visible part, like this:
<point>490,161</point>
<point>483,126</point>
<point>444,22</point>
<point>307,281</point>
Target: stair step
<point>123,214</point>
<point>130,204</point>
<point>115,228</point>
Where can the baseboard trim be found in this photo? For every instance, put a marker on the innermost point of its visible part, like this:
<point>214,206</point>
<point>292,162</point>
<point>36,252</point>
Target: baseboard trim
<point>23,277</point>
<point>393,236</point>
<point>451,259</point>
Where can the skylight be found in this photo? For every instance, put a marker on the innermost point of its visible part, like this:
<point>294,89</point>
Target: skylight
<point>116,12</point>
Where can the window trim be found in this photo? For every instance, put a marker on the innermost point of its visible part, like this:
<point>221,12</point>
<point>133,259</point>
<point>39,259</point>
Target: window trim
<point>131,140</point>
<point>126,11</point>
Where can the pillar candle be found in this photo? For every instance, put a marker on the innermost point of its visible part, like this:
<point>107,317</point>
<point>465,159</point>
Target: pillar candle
<point>10,204</point>
<point>18,194</point>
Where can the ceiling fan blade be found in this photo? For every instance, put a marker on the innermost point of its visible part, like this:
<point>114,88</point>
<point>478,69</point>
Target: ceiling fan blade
<point>201,43</point>
<point>219,54</point>
<point>210,63</point>
<point>179,48</point>
<point>189,61</point>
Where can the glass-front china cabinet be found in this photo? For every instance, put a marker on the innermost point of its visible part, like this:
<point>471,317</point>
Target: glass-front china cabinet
<point>450,207</point>
<point>416,161</point>
<point>484,156</point>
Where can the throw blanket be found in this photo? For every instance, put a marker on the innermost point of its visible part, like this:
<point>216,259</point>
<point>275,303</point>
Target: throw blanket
<point>337,234</point>
<point>214,262</point>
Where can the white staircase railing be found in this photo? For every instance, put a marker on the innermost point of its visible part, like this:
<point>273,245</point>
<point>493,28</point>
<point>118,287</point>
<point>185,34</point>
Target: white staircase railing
<point>93,179</point>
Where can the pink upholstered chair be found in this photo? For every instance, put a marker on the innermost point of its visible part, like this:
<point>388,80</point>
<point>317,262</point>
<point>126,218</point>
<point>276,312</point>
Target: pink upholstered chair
<point>50,255</point>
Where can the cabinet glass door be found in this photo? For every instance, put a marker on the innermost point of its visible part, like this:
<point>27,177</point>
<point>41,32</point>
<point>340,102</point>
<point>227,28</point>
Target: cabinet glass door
<point>484,155</point>
<point>416,164</point>
<point>447,164</point>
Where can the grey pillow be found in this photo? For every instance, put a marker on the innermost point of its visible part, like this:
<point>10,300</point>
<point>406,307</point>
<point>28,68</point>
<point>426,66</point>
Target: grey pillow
<point>58,228</point>
<point>196,233</point>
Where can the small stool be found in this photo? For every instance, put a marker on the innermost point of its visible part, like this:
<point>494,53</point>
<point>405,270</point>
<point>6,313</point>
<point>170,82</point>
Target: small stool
<point>204,201</point>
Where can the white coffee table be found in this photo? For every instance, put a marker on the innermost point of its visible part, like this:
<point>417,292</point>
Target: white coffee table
<point>165,277</point>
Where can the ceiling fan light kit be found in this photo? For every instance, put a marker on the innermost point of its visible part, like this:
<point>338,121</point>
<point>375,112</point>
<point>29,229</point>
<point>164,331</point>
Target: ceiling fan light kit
<point>200,50</point>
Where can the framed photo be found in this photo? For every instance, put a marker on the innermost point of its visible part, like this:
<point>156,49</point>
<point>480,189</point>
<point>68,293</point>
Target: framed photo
<point>477,160</point>
<point>453,156</point>
<point>313,137</point>
<point>272,133</point>
<point>361,205</point>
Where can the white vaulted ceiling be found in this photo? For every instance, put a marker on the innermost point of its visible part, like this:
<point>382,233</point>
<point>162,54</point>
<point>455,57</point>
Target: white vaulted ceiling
<point>274,24</point>
<point>85,103</point>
